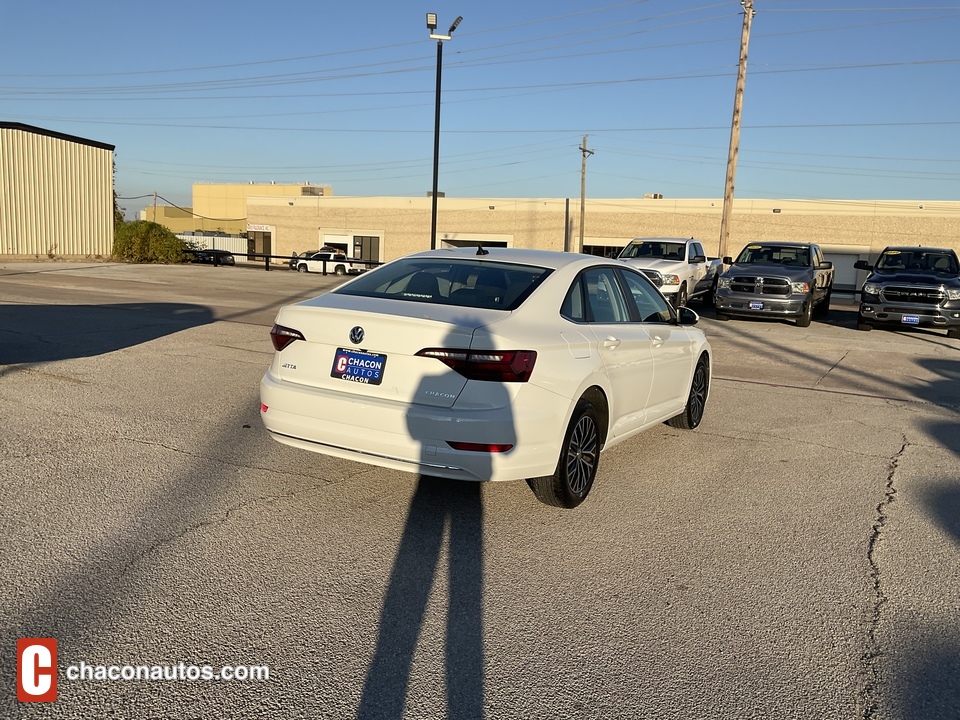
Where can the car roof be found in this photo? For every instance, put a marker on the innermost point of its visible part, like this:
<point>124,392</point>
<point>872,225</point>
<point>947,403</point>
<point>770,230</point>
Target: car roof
<point>553,259</point>
<point>914,248</point>
<point>664,239</point>
<point>779,243</point>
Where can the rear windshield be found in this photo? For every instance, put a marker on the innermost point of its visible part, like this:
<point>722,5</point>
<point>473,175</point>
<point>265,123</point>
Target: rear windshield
<point>469,283</point>
<point>774,255</point>
<point>919,260</point>
<point>655,250</point>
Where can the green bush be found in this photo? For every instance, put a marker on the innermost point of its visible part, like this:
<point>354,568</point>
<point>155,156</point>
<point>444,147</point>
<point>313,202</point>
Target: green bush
<point>143,241</point>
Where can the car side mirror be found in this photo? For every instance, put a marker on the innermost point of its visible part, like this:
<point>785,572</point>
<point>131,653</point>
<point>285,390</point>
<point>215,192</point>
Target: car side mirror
<point>686,316</point>
<point>862,265</point>
<point>727,260</point>
<point>698,259</point>
<point>826,265</point>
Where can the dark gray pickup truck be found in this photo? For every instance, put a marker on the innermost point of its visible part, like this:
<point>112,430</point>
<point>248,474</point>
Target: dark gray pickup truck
<point>917,286</point>
<point>776,279</point>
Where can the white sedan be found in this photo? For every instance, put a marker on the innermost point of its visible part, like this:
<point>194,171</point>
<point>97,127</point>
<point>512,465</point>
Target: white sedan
<point>475,364</point>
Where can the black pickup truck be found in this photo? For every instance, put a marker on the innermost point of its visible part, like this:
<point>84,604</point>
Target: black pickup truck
<point>912,286</point>
<point>776,279</point>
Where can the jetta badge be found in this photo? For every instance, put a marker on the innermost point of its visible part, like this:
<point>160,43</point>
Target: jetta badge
<point>356,335</point>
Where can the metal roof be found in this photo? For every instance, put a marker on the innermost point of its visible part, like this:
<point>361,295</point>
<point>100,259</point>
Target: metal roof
<point>54,134</point>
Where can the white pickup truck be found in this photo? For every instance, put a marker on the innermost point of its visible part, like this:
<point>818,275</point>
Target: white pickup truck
<point>326,261</point>
<point>678,266</point>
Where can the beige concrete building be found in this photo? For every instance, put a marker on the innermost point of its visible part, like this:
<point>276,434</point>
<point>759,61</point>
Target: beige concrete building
<point>56,194</point>
<point>223,207</point>
<point>385,228</point>
<point>178,220</point>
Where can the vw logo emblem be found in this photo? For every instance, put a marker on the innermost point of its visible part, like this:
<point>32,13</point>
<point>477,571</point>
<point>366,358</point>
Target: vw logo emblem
<point>356,335</point>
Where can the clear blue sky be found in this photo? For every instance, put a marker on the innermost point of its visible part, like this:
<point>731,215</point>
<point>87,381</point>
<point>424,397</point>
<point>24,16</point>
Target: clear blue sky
<point>847,99</point>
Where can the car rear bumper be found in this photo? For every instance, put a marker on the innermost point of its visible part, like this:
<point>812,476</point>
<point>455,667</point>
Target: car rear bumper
<point>740,304</point>
<point>413,438</point>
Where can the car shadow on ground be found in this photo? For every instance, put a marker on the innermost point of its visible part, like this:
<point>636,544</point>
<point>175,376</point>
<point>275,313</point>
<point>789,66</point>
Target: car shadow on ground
<point>47,333</point>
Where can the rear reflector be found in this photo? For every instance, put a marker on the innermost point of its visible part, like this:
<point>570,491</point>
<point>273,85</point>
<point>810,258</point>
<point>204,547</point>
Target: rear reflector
<point>263,408</point>
<point>479,447</point>
<point>492,365</point>
<point>282,336</point>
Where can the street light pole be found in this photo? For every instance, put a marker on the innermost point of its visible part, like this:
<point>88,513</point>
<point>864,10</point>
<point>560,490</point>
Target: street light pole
<point>431,26</point>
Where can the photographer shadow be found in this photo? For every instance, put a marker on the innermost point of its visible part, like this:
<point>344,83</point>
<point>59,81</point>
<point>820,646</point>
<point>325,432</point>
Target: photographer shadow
<point>439,508</point>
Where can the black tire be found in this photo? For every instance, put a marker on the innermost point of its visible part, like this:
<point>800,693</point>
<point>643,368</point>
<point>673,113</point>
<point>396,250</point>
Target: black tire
<point>577,465</point>
<point>692,414</point>
<point>680,299</point>
<point>709,298</point>
<point>953,333</point>
<point>823,309</point>
<point>865,326</point>
<point>339,270</point>
<point>723,317</point>
<point>301,268</point>
<point>807,316</point>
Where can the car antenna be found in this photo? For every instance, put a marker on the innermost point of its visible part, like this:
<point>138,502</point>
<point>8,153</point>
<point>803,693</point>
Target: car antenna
<point>481,251</point>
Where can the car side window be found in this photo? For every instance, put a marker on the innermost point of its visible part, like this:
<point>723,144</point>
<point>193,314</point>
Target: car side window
<point>572,308</point>
<point>650,304</point>
<point>605,300</point>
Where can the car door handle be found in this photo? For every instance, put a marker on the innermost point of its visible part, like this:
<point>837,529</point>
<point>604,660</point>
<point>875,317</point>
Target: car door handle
<point>611,342</point>
<point>657,340</point>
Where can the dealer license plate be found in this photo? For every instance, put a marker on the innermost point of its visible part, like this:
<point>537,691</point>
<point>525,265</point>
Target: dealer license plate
<point>755,305</point>
<point>357,366</point>
<point>910,319</point>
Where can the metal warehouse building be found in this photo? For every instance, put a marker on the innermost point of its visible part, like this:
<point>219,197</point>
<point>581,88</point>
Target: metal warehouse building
<point>56,194</point>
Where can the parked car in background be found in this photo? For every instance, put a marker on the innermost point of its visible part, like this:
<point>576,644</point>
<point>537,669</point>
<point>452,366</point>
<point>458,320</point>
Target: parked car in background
<point>486,365</point>
<point>912,286</point>
<point>776,279</point>
<point>211,257</point>
<point>327,261</point>
<point>678,266</point>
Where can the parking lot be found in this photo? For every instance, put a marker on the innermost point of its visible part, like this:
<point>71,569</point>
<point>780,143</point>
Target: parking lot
<point>794,557</point>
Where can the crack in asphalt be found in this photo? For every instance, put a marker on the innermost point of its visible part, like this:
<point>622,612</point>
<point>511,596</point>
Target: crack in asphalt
<point>224,516</point>
<point>830,370</point>
<point>752,439</point>
<point>870,659</point>
<point>225,461</point>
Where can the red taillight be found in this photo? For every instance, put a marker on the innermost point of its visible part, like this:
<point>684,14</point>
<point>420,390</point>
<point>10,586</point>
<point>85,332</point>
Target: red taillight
<point>283,336</point>
<point>479,447</point>
<point>493,365</point>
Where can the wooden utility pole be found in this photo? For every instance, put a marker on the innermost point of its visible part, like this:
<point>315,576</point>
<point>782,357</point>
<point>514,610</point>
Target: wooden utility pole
<point>583,188</point>
<point>748,13</point>
<point>154,207</point>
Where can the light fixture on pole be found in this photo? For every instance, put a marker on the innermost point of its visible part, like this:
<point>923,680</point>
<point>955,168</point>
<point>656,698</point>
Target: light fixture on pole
<point>432,26</point>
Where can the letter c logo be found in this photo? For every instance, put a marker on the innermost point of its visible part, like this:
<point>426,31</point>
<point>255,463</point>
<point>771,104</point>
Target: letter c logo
<point>36,669</point>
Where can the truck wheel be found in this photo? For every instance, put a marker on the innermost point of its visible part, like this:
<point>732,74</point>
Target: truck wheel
<point>577,466</point>
<point>823,308</point>
<point>806,316</point>
<point>865,326</point>
<point>953,333</point>
<point>709,298</point>
<point>680,299</point>
<point>301,268</point>
<point>722,317</point>
<point>339,270</point>
<point>692,414</point>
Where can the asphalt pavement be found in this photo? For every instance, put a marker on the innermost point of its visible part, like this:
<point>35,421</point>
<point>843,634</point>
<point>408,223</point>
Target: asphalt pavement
<point>794,557</point>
